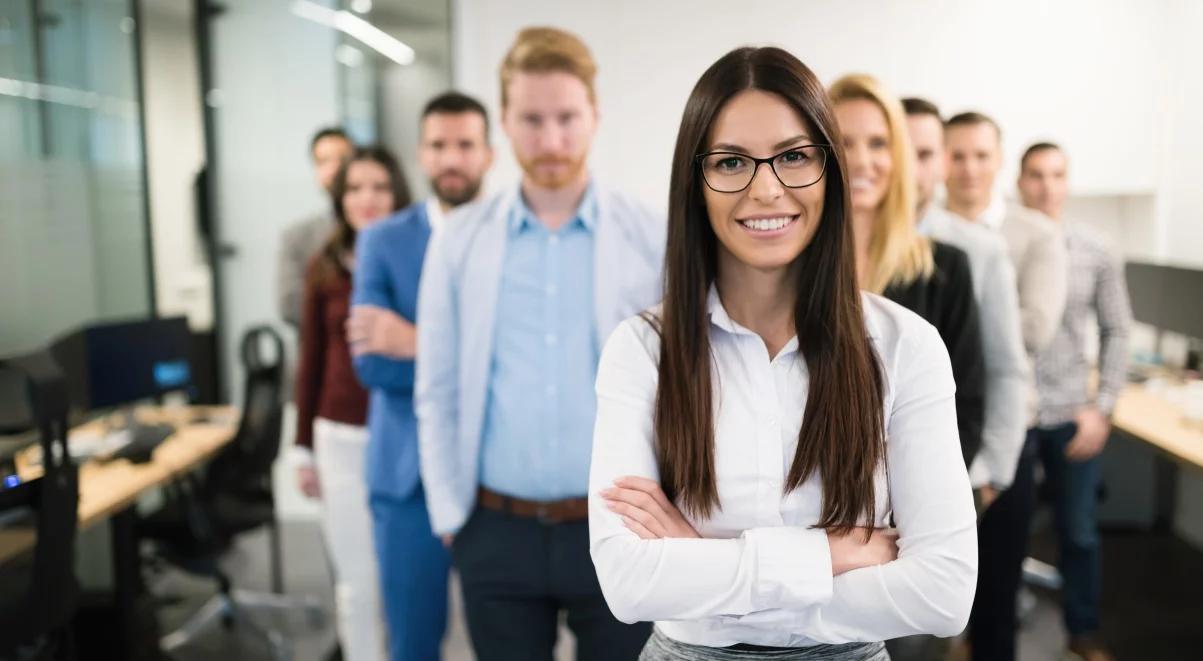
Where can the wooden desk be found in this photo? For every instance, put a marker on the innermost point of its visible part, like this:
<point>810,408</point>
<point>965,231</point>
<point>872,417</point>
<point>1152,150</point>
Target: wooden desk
<point>1154,420</point>
<point>108,488</point>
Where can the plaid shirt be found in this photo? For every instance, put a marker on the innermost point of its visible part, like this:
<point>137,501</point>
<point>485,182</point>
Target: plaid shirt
<point>1096,286</point>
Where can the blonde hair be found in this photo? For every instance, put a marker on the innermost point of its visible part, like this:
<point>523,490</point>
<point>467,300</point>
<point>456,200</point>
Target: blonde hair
<point>543,50</point>
<point>898,254</point>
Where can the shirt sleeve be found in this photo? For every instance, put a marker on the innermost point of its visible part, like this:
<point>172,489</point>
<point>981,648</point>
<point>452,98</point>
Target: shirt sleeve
<point>372,286</point>
<point>436,395</point>
<point>1007,372</point>
<point>290,277</point>
<point>1043,287</point>
<point>311,363</point>
<point>681,579</point>
<point>929,589</point>
<point>1114,316</point>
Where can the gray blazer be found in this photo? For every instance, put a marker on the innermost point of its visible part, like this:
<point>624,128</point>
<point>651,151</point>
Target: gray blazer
<point>1042,268</point>
<point>298,243</point>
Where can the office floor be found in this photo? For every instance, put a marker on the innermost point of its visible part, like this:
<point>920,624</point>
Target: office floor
<point>306,572</point>
<point>1152,600</point>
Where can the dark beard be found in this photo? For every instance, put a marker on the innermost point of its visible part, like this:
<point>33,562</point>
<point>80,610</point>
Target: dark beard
<point>454,198</point>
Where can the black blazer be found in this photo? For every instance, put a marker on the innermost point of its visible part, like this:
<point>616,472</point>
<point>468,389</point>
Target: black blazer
<point>946,301</point>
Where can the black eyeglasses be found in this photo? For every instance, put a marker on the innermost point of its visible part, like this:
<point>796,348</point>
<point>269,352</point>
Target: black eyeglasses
<point>732,172</point>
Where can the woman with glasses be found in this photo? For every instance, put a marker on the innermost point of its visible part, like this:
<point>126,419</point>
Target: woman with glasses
<point>775,471</point>
<point>929,278</point>
<point>332,405</point>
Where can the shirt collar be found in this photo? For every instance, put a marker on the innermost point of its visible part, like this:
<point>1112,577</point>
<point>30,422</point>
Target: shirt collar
<point>434,214</point>
<point>994,214</point>
<point>521,215</point>
<point>720,318</point>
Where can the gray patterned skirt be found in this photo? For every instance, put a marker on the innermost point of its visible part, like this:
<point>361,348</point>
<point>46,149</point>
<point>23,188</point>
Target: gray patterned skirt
<point>662,648</point>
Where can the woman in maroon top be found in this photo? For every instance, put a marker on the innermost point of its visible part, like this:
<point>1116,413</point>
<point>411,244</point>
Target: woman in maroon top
<point>332,406</point>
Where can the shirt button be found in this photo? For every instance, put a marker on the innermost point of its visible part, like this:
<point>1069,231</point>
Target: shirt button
<point>551,290</point>
<point>553,239</point>
<point>551,339</point>
<point>551,390</point>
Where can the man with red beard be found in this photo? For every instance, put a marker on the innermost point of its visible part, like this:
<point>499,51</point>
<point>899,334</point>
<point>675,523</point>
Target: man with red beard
<point>454,152</point>
<point>518,295</point>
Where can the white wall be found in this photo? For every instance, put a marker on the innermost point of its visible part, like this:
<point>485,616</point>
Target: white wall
<point>1098,77</point>
<point>1180,140</point>
<point>175,153</point>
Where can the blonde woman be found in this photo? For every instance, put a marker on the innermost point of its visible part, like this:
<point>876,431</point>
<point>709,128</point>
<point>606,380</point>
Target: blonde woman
<point>930,278</point>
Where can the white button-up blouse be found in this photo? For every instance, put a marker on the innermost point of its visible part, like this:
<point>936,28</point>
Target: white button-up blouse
<point>762,574</point>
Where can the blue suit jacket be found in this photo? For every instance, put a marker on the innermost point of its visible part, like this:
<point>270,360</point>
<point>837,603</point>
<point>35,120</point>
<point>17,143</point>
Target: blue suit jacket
<point>388,267</point>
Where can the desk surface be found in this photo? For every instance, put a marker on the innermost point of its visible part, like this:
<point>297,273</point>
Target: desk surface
<point>106,488</point>
<point>1156,421</point>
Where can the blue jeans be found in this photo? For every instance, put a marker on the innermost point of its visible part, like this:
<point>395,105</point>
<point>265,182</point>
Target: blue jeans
<point>1074,487</point>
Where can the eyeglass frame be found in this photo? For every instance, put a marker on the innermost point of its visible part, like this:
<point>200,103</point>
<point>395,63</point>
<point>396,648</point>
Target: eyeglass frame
<point>756,163</point>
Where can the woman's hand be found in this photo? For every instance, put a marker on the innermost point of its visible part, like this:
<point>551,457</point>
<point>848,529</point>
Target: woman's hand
<point>308,482</point>
<point>851,551</point>
<point>645,510</point>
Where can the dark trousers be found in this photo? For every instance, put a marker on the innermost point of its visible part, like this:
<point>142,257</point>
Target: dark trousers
<point>1003,541</point>
<point>518,574</point>
<point>1002,544</point>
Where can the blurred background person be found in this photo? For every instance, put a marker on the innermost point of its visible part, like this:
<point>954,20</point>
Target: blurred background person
<point>454,154</point>
<point>929,277</point>
<point>1073,422</point>
<point>1007,374</point>
<point>329,149</point>
<point>973,144</point>
<point>332,405</point>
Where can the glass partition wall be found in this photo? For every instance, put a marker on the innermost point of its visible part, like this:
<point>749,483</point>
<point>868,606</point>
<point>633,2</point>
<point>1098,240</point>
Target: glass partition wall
<point>73,231</point>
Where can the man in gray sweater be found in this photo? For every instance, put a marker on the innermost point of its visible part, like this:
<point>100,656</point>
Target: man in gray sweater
<point>330,147</point>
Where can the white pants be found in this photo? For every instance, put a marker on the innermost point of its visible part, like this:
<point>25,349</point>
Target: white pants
<point>347,523</point>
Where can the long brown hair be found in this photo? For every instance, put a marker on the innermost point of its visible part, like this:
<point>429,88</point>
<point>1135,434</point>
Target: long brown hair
<point>330,263</point>
<point>842,435</point>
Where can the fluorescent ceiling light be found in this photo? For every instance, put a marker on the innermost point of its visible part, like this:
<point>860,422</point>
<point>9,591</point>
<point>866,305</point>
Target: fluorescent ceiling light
<point>354,26</point>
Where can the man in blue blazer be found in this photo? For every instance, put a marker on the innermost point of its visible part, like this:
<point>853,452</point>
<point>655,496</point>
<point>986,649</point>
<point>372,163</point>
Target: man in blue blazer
<point>516,302</point>
<point>454,152</point>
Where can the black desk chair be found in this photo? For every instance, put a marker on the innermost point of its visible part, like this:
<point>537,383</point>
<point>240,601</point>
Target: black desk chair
<point>41,593</point>
<point>205,512</point>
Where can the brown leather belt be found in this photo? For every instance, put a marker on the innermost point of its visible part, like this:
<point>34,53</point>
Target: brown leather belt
<point>546,511</point>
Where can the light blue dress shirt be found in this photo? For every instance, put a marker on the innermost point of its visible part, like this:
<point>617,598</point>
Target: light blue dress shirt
<point>538,427</point>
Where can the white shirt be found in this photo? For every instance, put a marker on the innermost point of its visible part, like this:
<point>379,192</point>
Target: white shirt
<point>434,214</point>
<point>994,214</point>
<point>762,575</point>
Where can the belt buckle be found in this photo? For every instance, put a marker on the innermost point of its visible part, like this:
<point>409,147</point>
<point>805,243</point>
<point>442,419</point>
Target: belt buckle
<point>543,514</point>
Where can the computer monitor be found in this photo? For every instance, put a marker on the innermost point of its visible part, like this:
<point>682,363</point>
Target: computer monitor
<point>116,364</point>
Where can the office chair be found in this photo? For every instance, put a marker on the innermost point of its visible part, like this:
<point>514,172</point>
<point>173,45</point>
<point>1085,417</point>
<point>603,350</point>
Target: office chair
<point>204,513</point>
<point>37,608</point>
